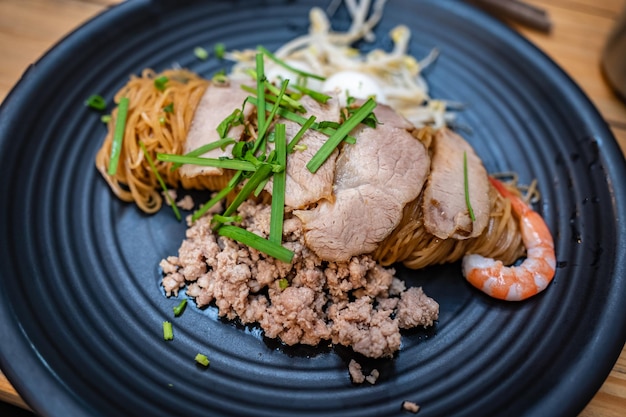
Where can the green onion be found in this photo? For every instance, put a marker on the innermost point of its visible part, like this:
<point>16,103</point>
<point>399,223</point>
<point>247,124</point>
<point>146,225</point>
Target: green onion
<point>160,82</point>
<point>466,181</point>
<point>315,95</point>
<point>200,53</point>
<point>118,135</point>
<point>257,242</point>
<point>169,108</point>
<point>219,50</point>
<point>160,180</point>
<point>263,130</point>
<point>300,148</point>
<point>178,310</point>
<point>96,102</point>
<point>290,102</point>
<point>283,283</point>
<point>226,163</point>
<point>106,118</point>
<point>260,90</point>
<point>222,143</point>
<point>220,78</point>
<point>234,119</point>
<point>202,359</point>
<point>287,66</point>
<point>261,174</point>
<point>336,138</point>
<point>168,332</point>
<point>294,117</point>
<point>278,188</point>
<point>272,98</point>
<point>226,219</point>
<point>294,141</point>
<point>206,206</point>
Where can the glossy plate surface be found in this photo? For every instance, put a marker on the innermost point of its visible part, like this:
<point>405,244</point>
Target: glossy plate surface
<point>80,303</point>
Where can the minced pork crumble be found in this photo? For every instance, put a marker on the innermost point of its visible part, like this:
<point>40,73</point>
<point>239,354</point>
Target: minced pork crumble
<point>356,303</point>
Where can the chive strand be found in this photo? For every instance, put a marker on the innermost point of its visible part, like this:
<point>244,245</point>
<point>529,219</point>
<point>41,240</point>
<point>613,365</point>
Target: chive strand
<point>264,171</point>
<point>255,241</point>
<point>466,184</point>
<point>206,206</point>
<point>287,66</point>
<point>206,148</point>
<point>160,180</point>
<point>273,111</point>
<point>294,141</point>
<point>225,163</point>
<point>168,331</point>
<point>340,134</point>
<point>315,95</point>
<point>278,187</point>
<point>260,90</point>
<point>118,135</point>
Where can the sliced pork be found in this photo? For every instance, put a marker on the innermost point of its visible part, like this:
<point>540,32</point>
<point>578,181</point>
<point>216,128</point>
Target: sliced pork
<point>446,213</point>
<point>303,187</point>
<point>217,103</point>
<point>374,180</point>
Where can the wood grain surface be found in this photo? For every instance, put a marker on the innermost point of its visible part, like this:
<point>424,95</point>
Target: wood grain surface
<point>580,28</point>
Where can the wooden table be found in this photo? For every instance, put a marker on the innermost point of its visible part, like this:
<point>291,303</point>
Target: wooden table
<point>30,27</point>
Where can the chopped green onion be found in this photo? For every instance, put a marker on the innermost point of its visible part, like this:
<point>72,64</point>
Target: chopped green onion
<point>178,310</point>
<point>283,283</point>
<point>219,50</point>
<point>260,90</point>
<point>261,174</point>
<point>162,120</point>
<point>206,206</point>
<point>234,119</point>
<point>220,78</point>
<point>226,219</point>
<point>287,66</point>
<point>294,117</point>
<point>202,359</point>
<point>208,162</point>
<point>257,242</point>
<point>350,139</point>
<point>336,138</point>
<point>315,95</point>
<point>294,141</point>
<point>278,187</point>
<point>169,108</point>
<point>160,82</point>
<point>302,147</point>
<point>96,102</point>
<point>327,123</point>
<point>272,99</point>
<point>118,135</point>
<point>160,180</point>
<point>263,130</point>
<point>291,102</point>
<point>200,53</point>
<point>168,332</point>
<point>222,143</point>
<point>466,181</point>
<point>106,118</point>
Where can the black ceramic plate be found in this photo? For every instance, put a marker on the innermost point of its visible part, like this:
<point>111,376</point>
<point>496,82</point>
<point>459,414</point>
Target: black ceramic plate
<point>81,306</point>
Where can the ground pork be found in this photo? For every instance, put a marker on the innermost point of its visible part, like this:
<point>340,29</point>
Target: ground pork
<point>356,303</point>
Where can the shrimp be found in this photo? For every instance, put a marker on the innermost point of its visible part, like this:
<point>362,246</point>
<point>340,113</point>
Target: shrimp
<point>535,272</point>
